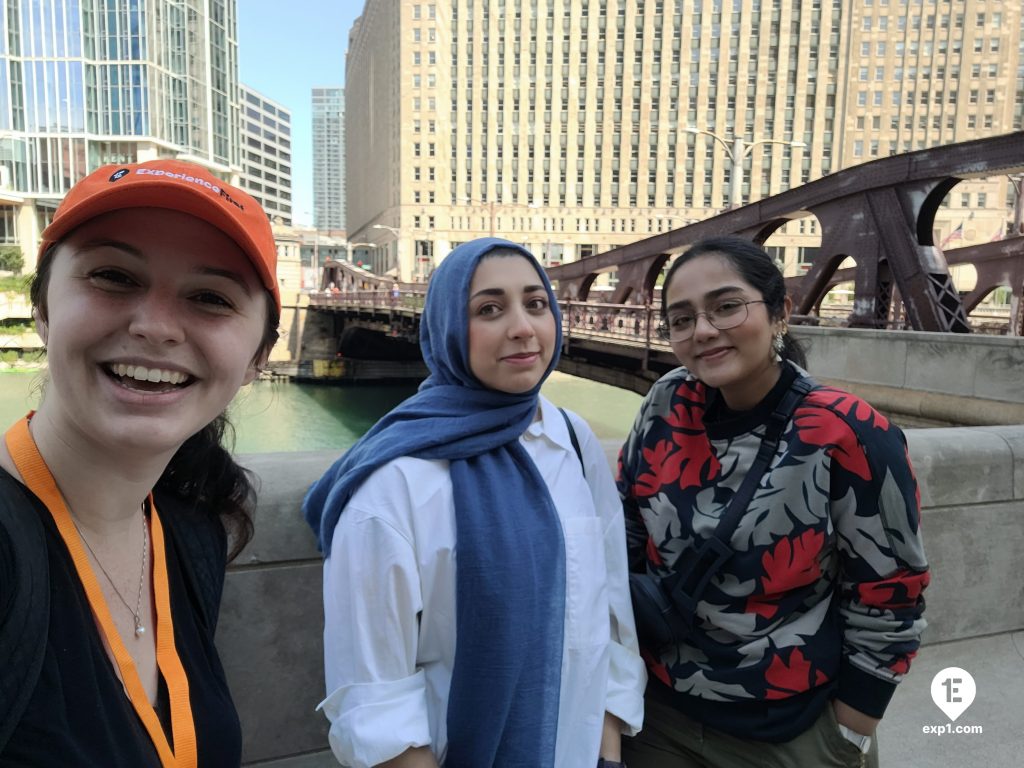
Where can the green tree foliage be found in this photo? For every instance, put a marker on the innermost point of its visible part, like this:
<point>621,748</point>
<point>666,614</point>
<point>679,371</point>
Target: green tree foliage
<point>11,259</point>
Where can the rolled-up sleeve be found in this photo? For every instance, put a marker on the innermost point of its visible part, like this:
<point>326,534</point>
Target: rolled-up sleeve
<point>627,675</point>
<point>376,701</point>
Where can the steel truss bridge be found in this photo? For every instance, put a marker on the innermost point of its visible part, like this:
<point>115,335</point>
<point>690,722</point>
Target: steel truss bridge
<point>881,214</point>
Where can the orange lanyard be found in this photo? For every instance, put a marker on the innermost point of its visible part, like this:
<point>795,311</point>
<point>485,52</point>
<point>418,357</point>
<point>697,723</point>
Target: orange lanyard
<point>40,481</point>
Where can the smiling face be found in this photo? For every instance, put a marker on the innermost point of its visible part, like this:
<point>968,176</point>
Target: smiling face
<point>739,361</point>
<point>152,321</point>
<point>511,326</point>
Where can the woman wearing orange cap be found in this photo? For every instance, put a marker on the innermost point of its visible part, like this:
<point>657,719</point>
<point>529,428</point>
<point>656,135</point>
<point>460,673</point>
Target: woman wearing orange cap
<point>156,297</point>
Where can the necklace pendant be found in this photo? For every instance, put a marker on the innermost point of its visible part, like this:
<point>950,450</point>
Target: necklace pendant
<point>139,629</point>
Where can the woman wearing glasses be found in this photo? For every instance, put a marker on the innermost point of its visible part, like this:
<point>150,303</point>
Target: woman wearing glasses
<point>793,597</point>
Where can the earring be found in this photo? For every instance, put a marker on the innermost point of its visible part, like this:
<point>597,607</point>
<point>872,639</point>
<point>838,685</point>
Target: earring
<point>779,344</point>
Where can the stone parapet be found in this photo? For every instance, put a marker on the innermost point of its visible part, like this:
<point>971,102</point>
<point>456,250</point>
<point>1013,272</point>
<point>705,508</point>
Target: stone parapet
<point>987,368</point>
<point>271,626</point>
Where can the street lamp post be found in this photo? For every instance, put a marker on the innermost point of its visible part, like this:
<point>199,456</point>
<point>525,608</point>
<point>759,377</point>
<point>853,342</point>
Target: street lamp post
<point>398,236</point>
<point>737,153</point>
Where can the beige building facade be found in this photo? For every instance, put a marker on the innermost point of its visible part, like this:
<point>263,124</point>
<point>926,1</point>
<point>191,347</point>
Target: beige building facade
<point>574,126</point>
<point>266,153</point>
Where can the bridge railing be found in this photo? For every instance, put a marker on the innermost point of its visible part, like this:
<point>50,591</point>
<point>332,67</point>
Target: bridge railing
<point>378,299</point>
<point>633,324</point>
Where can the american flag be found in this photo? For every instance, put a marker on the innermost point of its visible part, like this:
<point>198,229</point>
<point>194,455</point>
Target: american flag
<point>956,234</point>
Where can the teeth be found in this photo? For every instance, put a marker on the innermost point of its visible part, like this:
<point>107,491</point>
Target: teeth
<point>141,373</point>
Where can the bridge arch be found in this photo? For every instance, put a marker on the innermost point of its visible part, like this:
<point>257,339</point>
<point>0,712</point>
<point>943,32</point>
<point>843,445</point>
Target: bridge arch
<point>930,208</point>
<point>880,212</point>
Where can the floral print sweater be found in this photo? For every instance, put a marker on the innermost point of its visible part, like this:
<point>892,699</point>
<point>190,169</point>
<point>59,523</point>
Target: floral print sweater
<point>822,597</point>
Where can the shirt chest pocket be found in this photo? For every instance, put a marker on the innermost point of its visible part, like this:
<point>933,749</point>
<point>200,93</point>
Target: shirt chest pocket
<point>586,583</point>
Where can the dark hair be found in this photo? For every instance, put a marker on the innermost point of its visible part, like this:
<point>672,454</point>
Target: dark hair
<point>202,472</point>
<point>756,267</point>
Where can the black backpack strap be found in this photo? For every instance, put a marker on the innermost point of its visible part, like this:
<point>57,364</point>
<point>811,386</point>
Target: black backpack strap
<point>24,603</point>
<point>575,440</point>
<point>687,586</point>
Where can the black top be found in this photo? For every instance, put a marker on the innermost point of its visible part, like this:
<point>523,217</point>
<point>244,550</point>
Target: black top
<point>78,713</point>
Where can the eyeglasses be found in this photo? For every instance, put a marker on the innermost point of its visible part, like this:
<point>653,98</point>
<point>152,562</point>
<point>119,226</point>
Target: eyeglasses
<point>679,326</point>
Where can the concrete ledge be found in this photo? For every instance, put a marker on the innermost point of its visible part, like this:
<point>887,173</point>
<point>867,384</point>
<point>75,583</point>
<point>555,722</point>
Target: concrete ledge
<point>271,641</point>
<point>934,407</point>
<point>1014,437</point>
<point>270,633</point>
<point>970,365</point>
<point>281,535</point>
<point>973,552</point>
<point>962,465</point>
<point>319,759</point>
<point>271,627</point>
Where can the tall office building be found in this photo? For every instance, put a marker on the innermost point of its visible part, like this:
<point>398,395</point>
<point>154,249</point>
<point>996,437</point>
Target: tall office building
<point>935,73</point>
<point>329,159</point>
<point>266,141</point>
<point>573,126</point>
<point>84,83</point>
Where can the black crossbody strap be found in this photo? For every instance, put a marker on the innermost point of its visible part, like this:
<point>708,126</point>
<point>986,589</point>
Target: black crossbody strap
<point>575,440</point>
<point>689,584</point>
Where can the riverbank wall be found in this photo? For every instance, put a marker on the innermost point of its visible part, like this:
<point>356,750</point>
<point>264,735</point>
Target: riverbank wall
<point>270,631</point>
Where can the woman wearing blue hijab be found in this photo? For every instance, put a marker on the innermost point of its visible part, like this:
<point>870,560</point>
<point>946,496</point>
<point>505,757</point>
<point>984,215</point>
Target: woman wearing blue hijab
<point>475,585</point>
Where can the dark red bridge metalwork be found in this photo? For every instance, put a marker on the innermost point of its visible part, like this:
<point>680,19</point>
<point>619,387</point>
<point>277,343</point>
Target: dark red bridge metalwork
<point>881,214</point>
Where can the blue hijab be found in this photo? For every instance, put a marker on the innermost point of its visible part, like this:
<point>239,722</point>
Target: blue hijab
<point>510,554</point>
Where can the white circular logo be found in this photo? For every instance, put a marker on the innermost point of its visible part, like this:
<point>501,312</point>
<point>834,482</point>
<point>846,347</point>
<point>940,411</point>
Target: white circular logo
<point>953,691</point>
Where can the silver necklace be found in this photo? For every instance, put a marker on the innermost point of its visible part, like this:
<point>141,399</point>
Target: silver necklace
<point>140,630</point>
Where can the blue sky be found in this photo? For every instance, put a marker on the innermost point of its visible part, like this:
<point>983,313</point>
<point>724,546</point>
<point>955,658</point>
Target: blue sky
<point>285,49</point>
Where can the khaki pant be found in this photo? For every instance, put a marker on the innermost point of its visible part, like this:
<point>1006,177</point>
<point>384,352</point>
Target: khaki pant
<point>670,739</point>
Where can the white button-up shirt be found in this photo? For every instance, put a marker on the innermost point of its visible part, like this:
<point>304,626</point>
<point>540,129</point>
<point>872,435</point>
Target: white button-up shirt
<point>389,596</point>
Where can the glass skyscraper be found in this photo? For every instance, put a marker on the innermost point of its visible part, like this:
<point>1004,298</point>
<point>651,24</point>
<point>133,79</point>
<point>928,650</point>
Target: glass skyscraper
<point>329,159</point>
<point>89,82</point>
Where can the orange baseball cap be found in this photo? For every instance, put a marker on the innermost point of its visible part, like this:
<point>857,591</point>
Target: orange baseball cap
<point>178,186</point>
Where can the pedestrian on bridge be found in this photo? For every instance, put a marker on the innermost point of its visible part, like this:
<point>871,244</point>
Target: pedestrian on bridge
<point>777,565</point>
<point>156,297</point>
<point>476,595</point>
